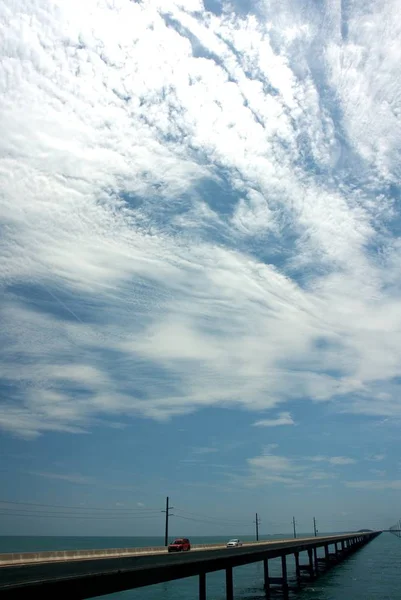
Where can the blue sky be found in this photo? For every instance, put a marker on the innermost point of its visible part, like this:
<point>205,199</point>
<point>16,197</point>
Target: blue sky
<point>200,266</point>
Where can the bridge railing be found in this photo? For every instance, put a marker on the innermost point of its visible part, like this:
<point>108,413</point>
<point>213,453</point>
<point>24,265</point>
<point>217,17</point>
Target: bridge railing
<point>14,558</point>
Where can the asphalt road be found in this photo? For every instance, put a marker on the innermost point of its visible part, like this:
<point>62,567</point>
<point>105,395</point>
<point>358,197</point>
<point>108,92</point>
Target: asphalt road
<point>78,568</point>
<point>28,574</point>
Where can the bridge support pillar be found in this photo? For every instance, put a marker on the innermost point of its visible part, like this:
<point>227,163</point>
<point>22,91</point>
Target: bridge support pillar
<point>297,569</point>
<point>202,586</point>
<point>326,555</point>
<point>312,570</point>
<point>229,584</point>
<point>266,577</point>
<point>315,560</point>
<point>284,575</point>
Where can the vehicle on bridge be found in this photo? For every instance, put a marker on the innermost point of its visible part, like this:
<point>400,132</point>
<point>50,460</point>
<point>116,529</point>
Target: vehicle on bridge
<point>235,542</point>
<point>180,545</point>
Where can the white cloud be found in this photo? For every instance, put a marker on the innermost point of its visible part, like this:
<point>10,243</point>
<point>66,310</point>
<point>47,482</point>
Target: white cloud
<point>342,460</point>
<point>126,277</point>
<point>79,479</point>
<point>284,418</point>
<point>204,450</point>
<point>364,97</point>
<point>377,457</point>
<point>69,477</point>
<point>373,484</point>
<point>252,215</point>
<point>269,447</point>
<point>333,460</point>
<point>380,472</point>
<point>270,462</point>
<point>269,468</point>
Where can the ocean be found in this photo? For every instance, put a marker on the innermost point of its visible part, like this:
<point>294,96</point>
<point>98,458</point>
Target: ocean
<point>370,574</point>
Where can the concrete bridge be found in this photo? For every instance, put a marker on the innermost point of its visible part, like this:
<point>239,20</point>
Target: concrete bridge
<point>85,574</point>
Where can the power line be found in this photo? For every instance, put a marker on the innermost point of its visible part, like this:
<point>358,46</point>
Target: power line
<point>203,521</point>
<point>74,516</point>
<point>10,511</point>
<point>234,521</point>
<point>14,508</point>
<point>139,509</point>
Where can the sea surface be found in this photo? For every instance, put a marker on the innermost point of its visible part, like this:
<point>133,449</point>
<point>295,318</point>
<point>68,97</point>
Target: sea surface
<point>373,573</point>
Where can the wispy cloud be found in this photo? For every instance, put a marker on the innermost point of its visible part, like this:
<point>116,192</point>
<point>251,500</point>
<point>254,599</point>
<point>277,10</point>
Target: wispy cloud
<point>380,472</point>
<point>79,479</point>
<point>204,450</point>
<point>377,457</point>
<point>70,477</point>
<point>195,213</point>
<point>375,484</point>
<point>271,468</point>
<point>334,460</point>
<point>283,418</point>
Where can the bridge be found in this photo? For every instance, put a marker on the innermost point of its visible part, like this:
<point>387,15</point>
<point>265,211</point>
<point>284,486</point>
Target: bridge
<point>48,574</point>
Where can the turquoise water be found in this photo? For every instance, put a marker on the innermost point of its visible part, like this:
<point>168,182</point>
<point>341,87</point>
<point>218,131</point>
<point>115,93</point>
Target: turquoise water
<point>370,574</point>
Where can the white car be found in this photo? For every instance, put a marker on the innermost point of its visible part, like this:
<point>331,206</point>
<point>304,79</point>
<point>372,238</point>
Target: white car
<point>233,543</point>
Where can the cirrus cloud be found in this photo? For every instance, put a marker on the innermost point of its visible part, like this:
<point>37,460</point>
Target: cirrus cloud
<point>283,418</point>
<point>186,215</point>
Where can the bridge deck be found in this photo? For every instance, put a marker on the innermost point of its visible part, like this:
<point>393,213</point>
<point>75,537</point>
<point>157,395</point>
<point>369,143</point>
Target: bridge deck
<point>88,578</point>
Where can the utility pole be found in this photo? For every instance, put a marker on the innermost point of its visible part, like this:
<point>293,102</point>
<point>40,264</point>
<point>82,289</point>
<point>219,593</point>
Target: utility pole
<point>257,521</point>
<point>167,511</point>
<point>314,526</point>
<point>293,524</point>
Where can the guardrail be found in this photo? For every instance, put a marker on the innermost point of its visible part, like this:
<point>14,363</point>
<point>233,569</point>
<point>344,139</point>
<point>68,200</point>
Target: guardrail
<point>15,558</point>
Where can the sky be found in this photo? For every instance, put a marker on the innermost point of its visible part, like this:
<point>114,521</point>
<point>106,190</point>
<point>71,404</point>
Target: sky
<point>200,265</point>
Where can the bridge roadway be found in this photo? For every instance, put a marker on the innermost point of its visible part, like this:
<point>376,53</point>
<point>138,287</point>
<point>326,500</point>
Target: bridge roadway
<point>95,577</point>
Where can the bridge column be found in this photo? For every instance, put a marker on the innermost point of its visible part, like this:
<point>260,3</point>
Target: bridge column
<point>326,555</point>
<point>229,584</point>
<point>315,560</point>
<point>202,586</point>
<point>297,569</point>
<point>266,577</point>
<point>342,545</point>
<point>310,556</point>
<point>284,574</point>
